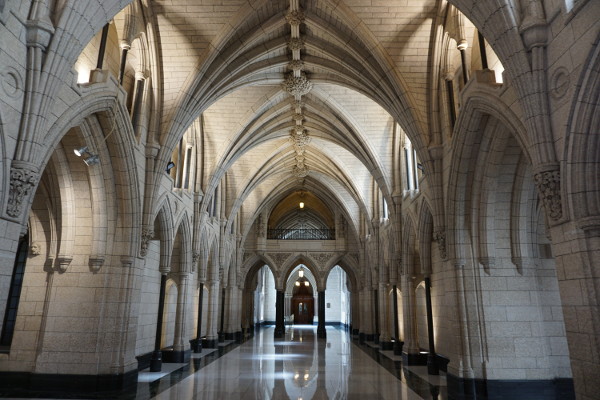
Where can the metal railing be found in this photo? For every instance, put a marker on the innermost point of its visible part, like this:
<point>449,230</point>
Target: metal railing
<point>301,234</point>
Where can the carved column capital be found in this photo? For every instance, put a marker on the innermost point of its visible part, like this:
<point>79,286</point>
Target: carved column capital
<point>23,178</point>
<point>548,185</point>
<point>147,235</point>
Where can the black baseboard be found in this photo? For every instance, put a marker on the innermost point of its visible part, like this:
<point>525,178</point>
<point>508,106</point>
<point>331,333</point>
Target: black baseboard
<point>386,345</point>
<point>176,356</point>
<point>144,360</point>
<point>210,344</point>
<point>442,362</point>
<point>480,389</point>
<point>15,384</point>
<point>414,359</point>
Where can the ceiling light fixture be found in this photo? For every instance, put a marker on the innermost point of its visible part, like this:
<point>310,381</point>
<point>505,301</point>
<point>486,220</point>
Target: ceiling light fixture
<point>301,204</point>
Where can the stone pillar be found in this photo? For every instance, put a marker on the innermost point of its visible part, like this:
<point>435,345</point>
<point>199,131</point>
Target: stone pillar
<point>180,351</point>
<point>279,325</point>
<point>385,341</point>
<point>410,349</point>
<point>232,314</point>
<point>321,332</point>
<point>397,343</point>
<point>288,305</point>
<point>156,361</point>
<point>432,367</point>
<point>197,344</point>
<point>212,319</point>
<point>375,314</point>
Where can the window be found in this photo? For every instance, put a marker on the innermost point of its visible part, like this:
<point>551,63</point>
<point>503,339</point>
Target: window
<point>14,293</point>
<point>412,166</point>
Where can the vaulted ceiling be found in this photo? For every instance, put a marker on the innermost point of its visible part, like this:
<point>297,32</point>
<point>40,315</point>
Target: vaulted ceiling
<point>366,63</point>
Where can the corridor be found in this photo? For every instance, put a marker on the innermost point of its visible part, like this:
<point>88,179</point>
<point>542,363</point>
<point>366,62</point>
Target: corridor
<point>301,367</point>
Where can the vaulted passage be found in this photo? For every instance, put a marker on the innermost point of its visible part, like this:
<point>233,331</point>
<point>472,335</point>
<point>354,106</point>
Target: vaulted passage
<point>300,199</point>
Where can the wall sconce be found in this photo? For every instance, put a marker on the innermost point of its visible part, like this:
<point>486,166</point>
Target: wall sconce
<point>93,159</point>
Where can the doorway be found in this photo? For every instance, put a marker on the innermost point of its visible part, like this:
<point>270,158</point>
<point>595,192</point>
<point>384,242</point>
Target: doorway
<point>303,302</point>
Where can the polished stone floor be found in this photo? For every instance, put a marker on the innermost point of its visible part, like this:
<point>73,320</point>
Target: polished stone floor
<point>299,367</point>
<point>302,367</point>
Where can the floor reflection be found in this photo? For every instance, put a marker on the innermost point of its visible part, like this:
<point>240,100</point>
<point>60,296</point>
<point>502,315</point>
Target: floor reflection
<point>299,367</point>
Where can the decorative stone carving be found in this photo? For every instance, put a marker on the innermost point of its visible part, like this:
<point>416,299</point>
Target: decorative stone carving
<point>548,185</point>
<point>300,171</point>
<point>22,180</point>
<point>297,86</point>
<point>63,262</point>
<point>295,44</point>
<point>11,82</point>
<point>298,118</point>
<point>296,65</point>
<point>295,17</point>
<point>247,256</point>
<point>279,258</point>
<point>299,137</point>
<point>35,249</point>
<point>439,236</point>
<point>147,235</point>
<point>559,83</point>
<point>96,263</point>
<point>195,257</point>
<point>322,258</point>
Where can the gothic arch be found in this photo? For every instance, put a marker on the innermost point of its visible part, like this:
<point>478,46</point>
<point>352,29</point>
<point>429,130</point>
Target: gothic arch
<point>582,149</point>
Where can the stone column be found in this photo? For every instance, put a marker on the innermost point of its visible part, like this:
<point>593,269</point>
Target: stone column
<point>279,325</point>
<point>432,367</point>
<point>197,345</point>
<point>156,361</point>
<point>385,341</point>
<point>212,319</point>
<point>321,332</point>
<point>397,343</point>
<point>180,350</point>
<point>411,347</point>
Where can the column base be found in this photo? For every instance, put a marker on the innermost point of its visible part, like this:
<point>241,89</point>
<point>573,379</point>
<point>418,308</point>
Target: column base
<point>432,365</point>
<point>210,343</point>
<point>398,347</point>
<point>386,345</point>
<point>156,361</point>
<point>221,337</point>
<point>196,345</point>
<point>176,356</point>
<point>370,337</point>
<point>238,336</point>
<point>414,359</point>
<point>361,338</point>
<point>355,332</point>
<point>376,338</point>
<point>321,333</point>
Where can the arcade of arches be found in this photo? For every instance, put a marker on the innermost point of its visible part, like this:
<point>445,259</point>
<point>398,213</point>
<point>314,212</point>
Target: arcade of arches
<point>423,174</point>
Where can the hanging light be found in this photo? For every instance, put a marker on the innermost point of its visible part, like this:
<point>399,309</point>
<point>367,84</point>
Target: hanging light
<point>306,283</point>
<point>93,159</point>
<point>301,273</point>
<point>81,151</point>
<point>297,283</point>
<point>301,204</point>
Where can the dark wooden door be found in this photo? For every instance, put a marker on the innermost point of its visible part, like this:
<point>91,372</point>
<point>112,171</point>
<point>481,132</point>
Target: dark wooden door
<point>303,309</point>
